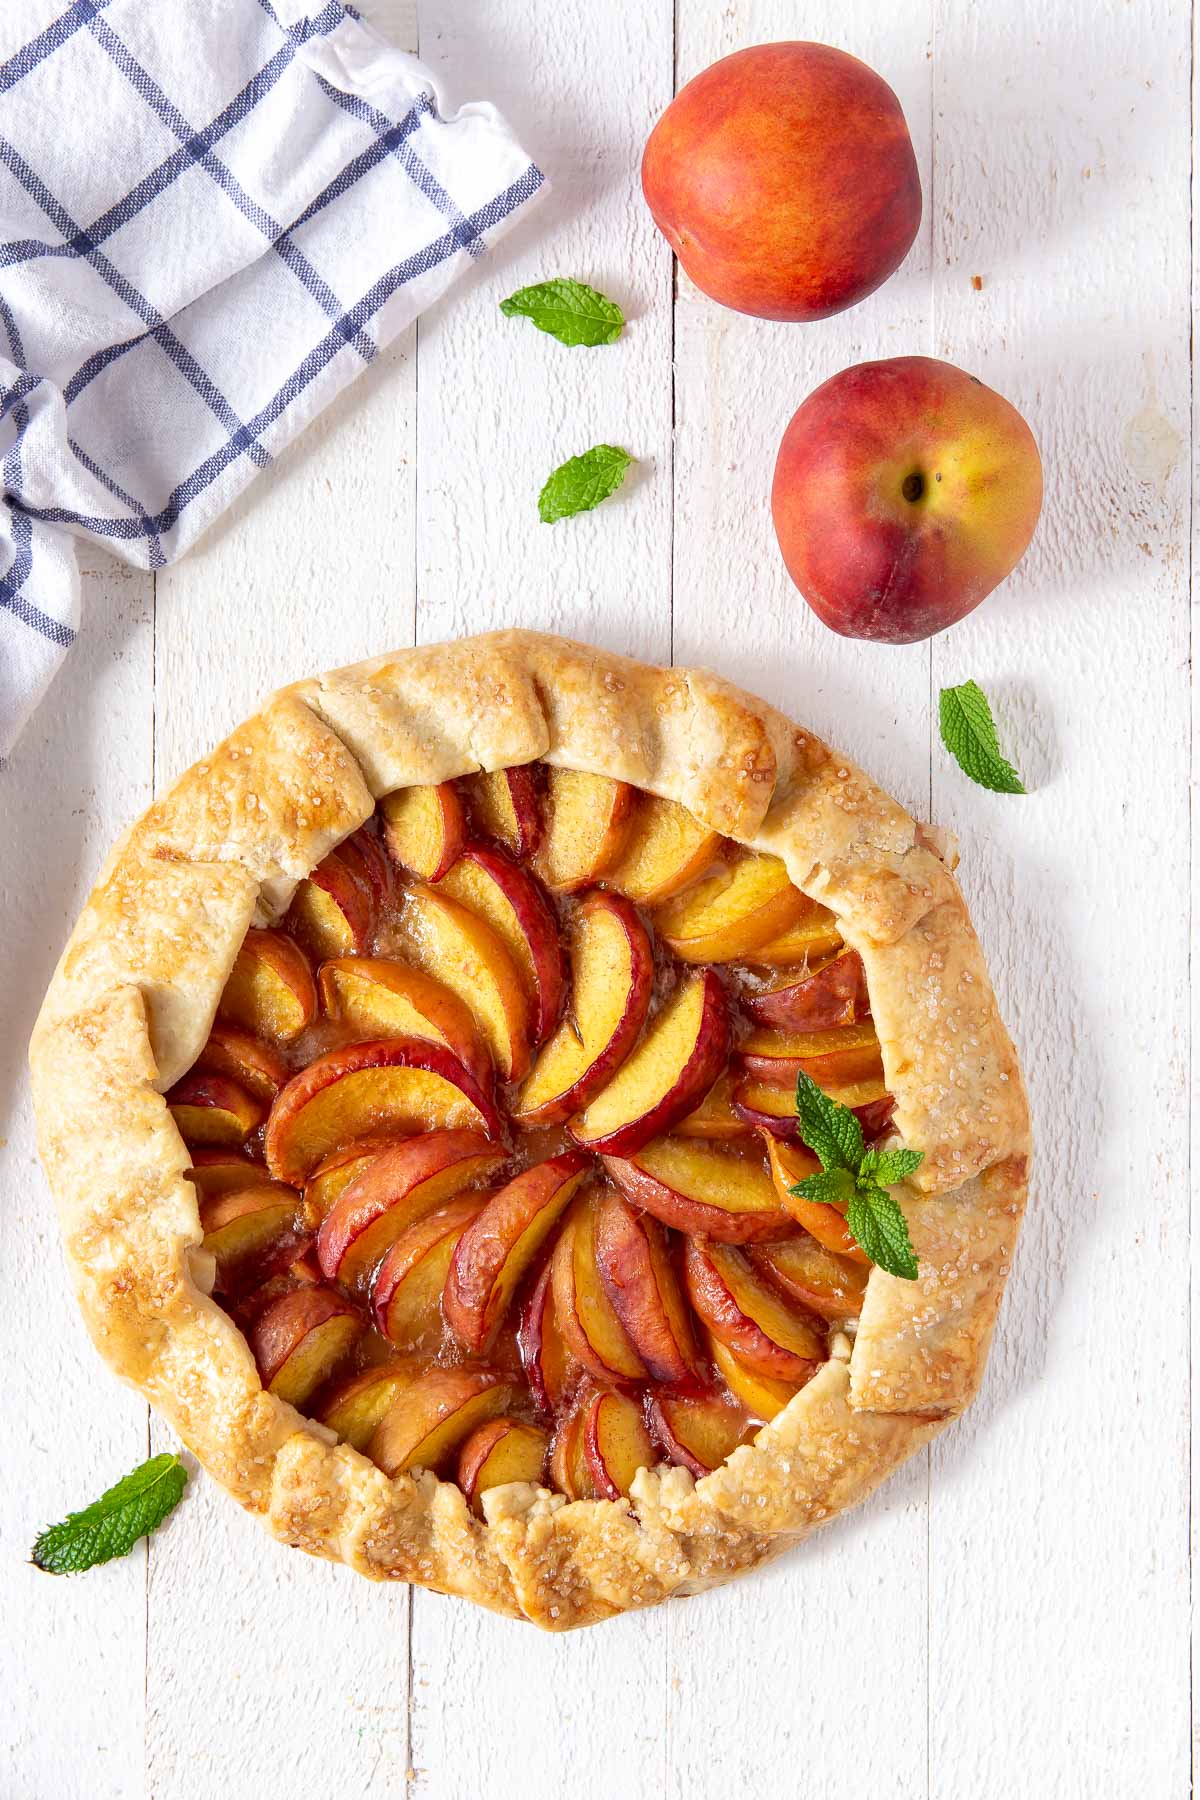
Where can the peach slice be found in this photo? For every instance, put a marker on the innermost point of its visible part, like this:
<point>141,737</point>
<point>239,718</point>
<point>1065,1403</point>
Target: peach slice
<point>834,1058</point>
<point>396,1085</point>
<point>211,1109</point>
<point>249,1226</point>
<point>433,1414</point>
<point>814,935</point>
<point>514,905</point>
<point>406,1294</point>
<point>585,1314</point>
<point>549,1367</point>
<point>424,828</point>
<point>333,910</point>
<point>818,999</point>
<point>703,1188</point>
<point>762,1395</point>
<point>665,851</point>
<point>612,980</point>
<point>246,1059</point>
<point>368,860</point>
<point>750,1316</point>
<point>698,1432</point>
<point>616,1444</point>
<point>355,1408</point>
<point>634,1261</point>
<point>569,1471</point>
<point>715,1117</point>
<point>217,1171</point>
<point>464,952</point>
<point>770,1107</point>
<point>499,1451</point>
<point>379,997</point>
<point>338,1170</point>
<point>806,1271</point>
<point>300,1339</point>
<point>397,1187</point>
<point>270,990</point>
<point>728,915</point>
<point>506,806</point>
<point>493,1254</point>
<point>668,1074</point>
<point>789,1164</point>
<point>587,819</point>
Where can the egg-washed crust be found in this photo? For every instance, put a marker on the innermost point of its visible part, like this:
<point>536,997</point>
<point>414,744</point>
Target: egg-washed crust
<point>136,991</point>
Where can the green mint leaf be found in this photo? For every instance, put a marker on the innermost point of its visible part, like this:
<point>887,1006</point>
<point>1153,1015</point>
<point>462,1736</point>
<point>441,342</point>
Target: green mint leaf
<point>569,310</point>
<point>833,1187</point>
<point>969,734</point>
<point>583,482</point>
<point>886,1167</point>
<point>880,1228</point>
<point>112,1525</point>
<point>831,1131</point>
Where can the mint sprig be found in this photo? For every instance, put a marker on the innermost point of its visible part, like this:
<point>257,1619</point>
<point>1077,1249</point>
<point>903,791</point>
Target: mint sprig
<point>569,310</point>
<point>112,1525</point>
<point>583,482</point>
<point>856,1179</point>
<point>969,734</point>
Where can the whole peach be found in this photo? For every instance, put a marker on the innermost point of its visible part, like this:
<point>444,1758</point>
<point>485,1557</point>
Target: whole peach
<point>784,179</point>
<point>904,492</point>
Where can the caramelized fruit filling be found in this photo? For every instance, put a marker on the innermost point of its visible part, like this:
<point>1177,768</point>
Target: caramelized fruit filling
<point>494,1136</point>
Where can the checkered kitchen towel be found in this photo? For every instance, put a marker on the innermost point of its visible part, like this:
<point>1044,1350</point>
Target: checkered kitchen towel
<point>213,213</point>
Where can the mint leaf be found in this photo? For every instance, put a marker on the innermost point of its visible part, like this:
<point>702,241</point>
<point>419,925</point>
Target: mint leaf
<point>880,1228</point>
<point>887,1167</point>
<point>583,482</point>
<point>112,1525</point>
<point>969,734</point>
<point>833,1187</point>
<point>831,1131</point>
<point>569,310</point>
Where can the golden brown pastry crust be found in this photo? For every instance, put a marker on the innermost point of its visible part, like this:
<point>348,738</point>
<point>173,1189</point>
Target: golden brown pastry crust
<point>134,997</point>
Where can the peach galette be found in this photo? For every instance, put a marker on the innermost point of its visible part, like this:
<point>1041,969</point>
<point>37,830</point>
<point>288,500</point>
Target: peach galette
<point>538,1125</point>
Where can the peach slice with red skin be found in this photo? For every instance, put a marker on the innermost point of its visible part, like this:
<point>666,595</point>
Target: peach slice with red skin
<point>740,906</point>
<point>612,970</point>
<point>461,950</point>
<point>771,1107</point>
<point>514,905</point>
<point>550,1369</point>
<point>569,1471</point>
<point>834,1058</point>
<point>714,1117</point>
<point>270,991</point>
<point>634,1260</point>
<point>586,819</point>
<point>704,1189</point>
<point>677,1061</point>
<point>333,909</point>
<point>494,1252</point>
<point>212,1109</point>
<point>366,857</point>
<point>805,1271</point>
<point>762,1395</point>
<point>585,1315</point>
<point>217,1171</point>
<point>301,1338</point>
<point>433,1414</point>
<point>397,1187</point>
<point>666,850</point>
<point>499,1451</point>
<point>506,806</point>
<point>356,1406</point>
<point>813,999</point>
<point>377,997</point>
<point>616,1444</point>
<point>255,1065</point>
<point>396,1085</point>
<point>406,1294</point>
<point>331,1177</point>
<point>424,828</point>
<point>813,935</point>
<point>750,1316</point>
<point>789,1165</point>
<point>252,1228</point>
<point>698,1432</point>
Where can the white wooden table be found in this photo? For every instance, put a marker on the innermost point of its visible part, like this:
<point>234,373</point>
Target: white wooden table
<point>1011,1616</point>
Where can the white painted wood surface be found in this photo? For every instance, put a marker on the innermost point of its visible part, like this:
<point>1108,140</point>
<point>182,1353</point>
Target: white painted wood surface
<point>1010,1616</point>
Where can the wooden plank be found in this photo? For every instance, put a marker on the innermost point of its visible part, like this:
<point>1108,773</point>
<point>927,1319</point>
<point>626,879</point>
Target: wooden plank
<point>497,1708</point>
<point>1059,1574</point>
<point>72,1657</point>
<point>738,382</point>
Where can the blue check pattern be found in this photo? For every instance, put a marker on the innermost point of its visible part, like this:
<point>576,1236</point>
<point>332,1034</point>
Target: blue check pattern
<point>213,214</point>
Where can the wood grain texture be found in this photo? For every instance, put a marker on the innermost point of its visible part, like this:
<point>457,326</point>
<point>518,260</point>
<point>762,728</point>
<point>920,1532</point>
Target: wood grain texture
<point>1010,1615</point>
